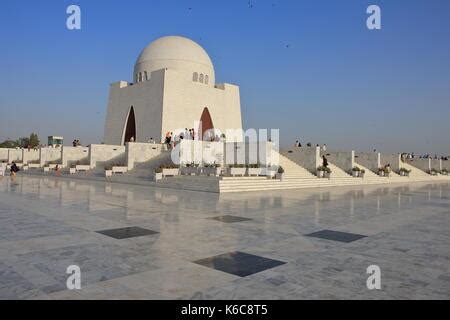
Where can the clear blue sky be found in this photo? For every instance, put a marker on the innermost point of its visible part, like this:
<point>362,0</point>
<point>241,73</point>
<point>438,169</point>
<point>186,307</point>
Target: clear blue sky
<point>337,82</point>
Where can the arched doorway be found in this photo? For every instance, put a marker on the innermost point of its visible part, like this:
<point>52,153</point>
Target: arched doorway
<point>130,128</point>
<point>205,125</point>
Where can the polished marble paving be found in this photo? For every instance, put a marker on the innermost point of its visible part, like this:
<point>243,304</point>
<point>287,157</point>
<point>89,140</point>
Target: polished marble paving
<point>48,224</point>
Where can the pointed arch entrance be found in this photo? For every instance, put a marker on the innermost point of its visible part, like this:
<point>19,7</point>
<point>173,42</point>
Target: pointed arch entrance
<point>130,127</point>
<point>206,125</point>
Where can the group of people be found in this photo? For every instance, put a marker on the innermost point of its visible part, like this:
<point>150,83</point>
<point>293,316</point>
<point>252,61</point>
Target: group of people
<point>76,143</point>
<point>424,156</point>
<point>171,139</point>
<point>298,144</point>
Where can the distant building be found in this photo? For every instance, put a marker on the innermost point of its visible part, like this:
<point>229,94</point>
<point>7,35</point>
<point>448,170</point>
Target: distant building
<point>174,88</point>
<point>55,141</point>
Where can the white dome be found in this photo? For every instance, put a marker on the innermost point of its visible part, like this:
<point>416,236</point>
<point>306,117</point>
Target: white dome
<point>177,53</point>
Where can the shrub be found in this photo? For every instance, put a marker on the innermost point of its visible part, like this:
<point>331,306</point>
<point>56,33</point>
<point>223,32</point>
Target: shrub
<point>356,169</point>
<point>280,169</point>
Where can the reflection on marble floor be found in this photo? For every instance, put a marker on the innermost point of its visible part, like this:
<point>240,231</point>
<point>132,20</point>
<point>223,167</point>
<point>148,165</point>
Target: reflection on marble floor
<point>47,224</point>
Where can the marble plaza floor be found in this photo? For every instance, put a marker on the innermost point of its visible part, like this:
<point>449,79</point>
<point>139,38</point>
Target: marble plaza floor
<point>137,242</point>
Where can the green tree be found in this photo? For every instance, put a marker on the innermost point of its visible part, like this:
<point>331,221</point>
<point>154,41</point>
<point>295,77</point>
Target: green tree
<point>23,142</point>
<point>8,144</point>
<point>33,140</point>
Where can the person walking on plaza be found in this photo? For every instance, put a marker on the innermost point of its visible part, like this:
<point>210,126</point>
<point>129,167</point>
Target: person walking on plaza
<point>14,169</point>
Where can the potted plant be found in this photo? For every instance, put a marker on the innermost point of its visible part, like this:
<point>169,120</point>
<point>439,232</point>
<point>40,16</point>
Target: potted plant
<point>73,169</point>
<point>237,170</point>
<point>433,172</point>
<point>254,169</point>
<point>356,171</point>
<point>381,172</point>
<point>108,171</point>
<point>444,172</point>
<point>404,172</point>
<point>320,171</point>
<point>212,169</point>
<point>190,169</point>
<point>80,166</point>
<point>362,173</point>
<point>158,174</point>
<point>327,173</point>
<point>280,173</point>
<point>119,168</point>
<point>170,170</point>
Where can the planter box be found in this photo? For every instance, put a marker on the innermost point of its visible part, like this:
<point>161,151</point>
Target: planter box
<point>279,176</point>
<point>190,171</point>
<point>254,171</point>
<point>355,174</point>
<point>270,173</point>
<point>327,175</point>
<point>212,171</point>
<point>170,172</point>
<point>238,171</point>
<point>108,173</point>
<point>362,174</point>
<point>34,165</point>
<point>46,169</point>
<point>72,170</point>
<point>381,173</point>
<point>158,176</point>
<point>83,167</point>
<point>25,168</point>
<point>119,169</point>
<point>319,174</point>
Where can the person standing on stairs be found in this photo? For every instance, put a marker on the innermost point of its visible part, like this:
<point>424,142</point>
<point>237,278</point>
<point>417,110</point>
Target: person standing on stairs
<point>324,161</point>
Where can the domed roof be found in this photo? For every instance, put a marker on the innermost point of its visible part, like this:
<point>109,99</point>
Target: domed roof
<point>177,53</point>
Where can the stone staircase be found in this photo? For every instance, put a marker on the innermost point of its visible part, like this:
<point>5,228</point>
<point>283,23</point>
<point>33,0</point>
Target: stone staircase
<point>147,169</point>
<point>293,170</point>
<point>415,172</point>
<point>368,173</point>
<point>337,172</point>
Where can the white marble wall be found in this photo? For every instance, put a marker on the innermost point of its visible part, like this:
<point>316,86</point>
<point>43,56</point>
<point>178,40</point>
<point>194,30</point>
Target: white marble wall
<point>342,159</point>
<point>137,152</point>
<point>71,155</point>
<point>103,154</point>
<point>30,155</point>
<point>4,154</point>
<point>49,154</point>
<point>370,160</point>
<point>14,155</point>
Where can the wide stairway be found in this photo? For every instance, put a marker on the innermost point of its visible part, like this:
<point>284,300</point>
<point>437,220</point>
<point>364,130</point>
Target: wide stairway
<point>415,172</point>
<point>144,171</point>
<point>297,177</point>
